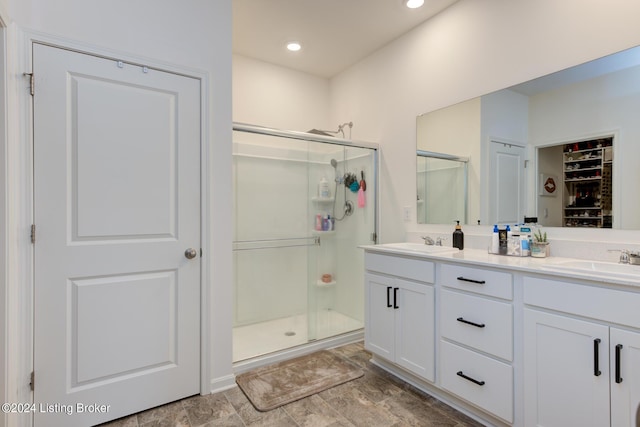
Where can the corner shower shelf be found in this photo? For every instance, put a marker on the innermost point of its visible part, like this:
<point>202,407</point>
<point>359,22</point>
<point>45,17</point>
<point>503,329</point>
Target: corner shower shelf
<point>322,284</point>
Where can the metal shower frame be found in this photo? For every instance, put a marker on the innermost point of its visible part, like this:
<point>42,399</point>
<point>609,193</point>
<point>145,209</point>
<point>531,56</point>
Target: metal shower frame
<point>311,137</point>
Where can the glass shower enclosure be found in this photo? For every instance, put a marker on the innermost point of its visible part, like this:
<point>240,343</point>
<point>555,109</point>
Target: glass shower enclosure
<point>303,203</point>
<point>442,188</point>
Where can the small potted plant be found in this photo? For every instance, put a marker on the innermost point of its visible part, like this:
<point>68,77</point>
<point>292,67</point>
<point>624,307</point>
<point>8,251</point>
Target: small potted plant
<point>540,245</point>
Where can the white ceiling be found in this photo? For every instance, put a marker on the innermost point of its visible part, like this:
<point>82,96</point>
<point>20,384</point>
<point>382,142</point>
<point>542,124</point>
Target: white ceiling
<point>334,34</point>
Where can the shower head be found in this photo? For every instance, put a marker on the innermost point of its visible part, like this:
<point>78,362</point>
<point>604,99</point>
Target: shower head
<point>338,178</point>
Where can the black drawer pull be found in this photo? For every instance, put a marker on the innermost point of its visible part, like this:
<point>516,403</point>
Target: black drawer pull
<point>395,298</point>
<point>596,358</point>
<point>464,279</point>
<point>618,377</point>
<point>460,374</point>
<point>477,325</point>
<point>389,297</point>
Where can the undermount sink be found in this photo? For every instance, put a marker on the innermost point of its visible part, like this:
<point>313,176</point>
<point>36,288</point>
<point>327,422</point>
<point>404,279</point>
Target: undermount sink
<point>597,267</point>
<point>421,247</point>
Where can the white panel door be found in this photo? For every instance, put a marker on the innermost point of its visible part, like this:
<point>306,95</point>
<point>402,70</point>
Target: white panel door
<point>415,328</point>
<point>506,183</point>
<point>566,371</point>
<point>117,203</point>
<point>625,378</point>
<point>379,335</point>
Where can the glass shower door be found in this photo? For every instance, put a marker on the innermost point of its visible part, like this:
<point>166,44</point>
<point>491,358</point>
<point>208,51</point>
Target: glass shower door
<point>298,269</point>
<point>336,265</point>
<point>272,238</point>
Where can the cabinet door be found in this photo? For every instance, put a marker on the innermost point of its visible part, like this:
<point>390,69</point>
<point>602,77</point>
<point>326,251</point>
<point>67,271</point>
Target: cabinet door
<point>566,371</point>
<point>415,328</point>
<point>380,314</point>
<point>625,378</point>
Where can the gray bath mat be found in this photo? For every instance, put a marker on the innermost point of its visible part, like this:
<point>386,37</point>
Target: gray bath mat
<point>275,385</point>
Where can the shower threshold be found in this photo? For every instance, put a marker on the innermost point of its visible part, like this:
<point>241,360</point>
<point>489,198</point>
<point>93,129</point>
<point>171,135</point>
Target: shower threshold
<point>259,339</point>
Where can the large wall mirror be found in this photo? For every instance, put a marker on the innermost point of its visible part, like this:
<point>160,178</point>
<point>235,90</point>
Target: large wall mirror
<point>563,148</point>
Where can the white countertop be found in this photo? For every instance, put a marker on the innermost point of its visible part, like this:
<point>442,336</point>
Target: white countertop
<point>629,275</point>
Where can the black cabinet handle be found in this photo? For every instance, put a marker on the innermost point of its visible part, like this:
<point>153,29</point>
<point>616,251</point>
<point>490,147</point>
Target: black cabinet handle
<point>596,357</point>
<point>477,325</point>
<point>618,377</point>
<point>395,298</point>
<point>388,297</point>
<point>473,380</point>
<point>464,279</point>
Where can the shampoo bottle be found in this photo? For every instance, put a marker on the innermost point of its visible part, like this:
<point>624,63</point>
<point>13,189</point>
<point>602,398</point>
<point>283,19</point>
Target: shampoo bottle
<point>458,237</point>
<point>323,189</point>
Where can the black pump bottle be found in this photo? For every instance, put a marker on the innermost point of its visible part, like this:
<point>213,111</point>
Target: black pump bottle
<point>458,237</point>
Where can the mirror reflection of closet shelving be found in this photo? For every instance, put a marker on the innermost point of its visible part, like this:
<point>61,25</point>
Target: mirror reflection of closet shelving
<point>587,173</point>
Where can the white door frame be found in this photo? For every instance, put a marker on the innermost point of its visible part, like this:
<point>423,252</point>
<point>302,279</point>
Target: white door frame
<point>20,259</point>
<point>3,210</point>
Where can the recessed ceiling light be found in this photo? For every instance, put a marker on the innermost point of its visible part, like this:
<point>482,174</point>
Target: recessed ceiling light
<point>294,46</point>
<point>413,4</point>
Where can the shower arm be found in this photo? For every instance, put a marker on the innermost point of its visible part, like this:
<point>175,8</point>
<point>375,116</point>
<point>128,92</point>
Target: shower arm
<point>340,130</point>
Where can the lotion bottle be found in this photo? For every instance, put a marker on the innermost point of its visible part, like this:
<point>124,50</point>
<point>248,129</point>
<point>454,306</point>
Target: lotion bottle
<point>458,237</point>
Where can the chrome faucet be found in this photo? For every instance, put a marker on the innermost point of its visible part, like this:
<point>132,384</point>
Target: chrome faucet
<point>428,240</point>
<point>439,241</point>
<point>624,255</point>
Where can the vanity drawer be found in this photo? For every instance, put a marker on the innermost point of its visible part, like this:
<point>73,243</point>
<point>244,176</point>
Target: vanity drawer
<point>414,269</point>
<point>493,389</point>
<point>601,303</point>
<point>478,280</point>
<point>477,322</point>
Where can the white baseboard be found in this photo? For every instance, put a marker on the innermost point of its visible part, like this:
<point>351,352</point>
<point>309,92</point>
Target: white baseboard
<point>223,383</point>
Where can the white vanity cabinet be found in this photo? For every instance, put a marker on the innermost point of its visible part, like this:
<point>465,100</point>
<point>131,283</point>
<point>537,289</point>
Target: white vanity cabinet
<point>508,340</point>
<point>476,329</point>
<point>399,312</point>
<point>582,359</point>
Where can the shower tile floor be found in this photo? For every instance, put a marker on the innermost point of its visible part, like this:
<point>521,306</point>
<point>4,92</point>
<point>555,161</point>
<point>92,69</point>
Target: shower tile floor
<point>274,335</point>
<point>375,400</point>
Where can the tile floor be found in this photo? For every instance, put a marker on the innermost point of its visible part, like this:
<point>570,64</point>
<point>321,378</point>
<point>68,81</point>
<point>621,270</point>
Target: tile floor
<point>376,399</point>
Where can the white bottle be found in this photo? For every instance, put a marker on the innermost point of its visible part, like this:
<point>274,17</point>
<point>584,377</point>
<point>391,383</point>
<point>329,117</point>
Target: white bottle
<point>323,189</point>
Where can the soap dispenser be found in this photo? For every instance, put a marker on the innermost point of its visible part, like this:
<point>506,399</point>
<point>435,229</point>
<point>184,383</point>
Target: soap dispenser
<point>458,237</point>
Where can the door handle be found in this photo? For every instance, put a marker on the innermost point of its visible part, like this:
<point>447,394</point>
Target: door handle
<point>596,357</point>
<point>190,253</point>
<point>464,279</point>
<point>389,297</point>
<point>618,377</point>
<point>477,325</point>
<point>395,298</point>
<point>473,380</point>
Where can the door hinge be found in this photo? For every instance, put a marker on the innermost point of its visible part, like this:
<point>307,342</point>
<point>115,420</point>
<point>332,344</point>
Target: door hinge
<point>32,84</point>
<point>374,237</point>
<point>33,233</point>
<point>32,382</point>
